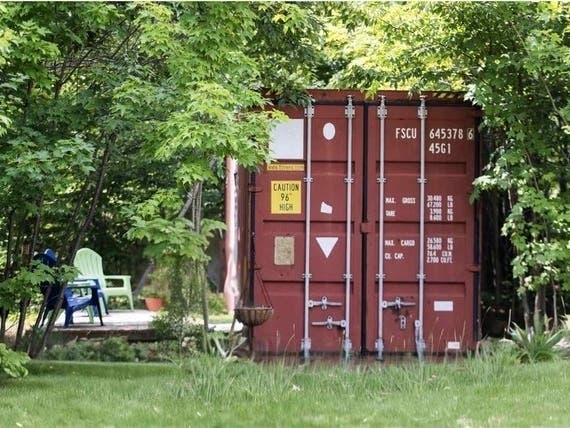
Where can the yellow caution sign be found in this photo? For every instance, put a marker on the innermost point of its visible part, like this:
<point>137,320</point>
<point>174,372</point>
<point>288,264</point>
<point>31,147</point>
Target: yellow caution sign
<point>286,197</point>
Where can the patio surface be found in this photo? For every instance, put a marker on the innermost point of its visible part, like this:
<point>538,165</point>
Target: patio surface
<point>116,317</point>
<point>125,321</point>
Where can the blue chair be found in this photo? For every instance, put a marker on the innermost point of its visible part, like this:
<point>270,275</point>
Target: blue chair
<point>71,302</point>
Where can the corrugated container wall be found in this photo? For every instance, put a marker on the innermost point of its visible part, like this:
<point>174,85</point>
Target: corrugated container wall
<point>360,234</point>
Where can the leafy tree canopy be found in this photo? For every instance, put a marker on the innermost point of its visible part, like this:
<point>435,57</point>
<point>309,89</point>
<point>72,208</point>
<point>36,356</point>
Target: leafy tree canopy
<point>512,59</point>
<point>109,109</point>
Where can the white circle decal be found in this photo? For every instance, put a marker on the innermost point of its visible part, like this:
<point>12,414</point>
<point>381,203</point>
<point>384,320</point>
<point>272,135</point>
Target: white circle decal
<point>329,131</point>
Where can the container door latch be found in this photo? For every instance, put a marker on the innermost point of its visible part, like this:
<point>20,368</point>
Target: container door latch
<point>396,304</point>
<point>330,323</point>
<point>323,303</point>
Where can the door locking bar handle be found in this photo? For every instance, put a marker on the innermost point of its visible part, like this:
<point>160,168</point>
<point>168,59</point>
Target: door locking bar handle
<point>330,323</point>
<point>397,304</point>
<point>323,303</point>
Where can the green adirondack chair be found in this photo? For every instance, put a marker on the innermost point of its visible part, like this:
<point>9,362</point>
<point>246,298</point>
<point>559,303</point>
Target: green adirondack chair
<point>90,265</point>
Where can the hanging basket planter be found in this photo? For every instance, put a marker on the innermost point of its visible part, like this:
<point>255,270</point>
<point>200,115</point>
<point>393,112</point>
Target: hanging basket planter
<point>253,315</point>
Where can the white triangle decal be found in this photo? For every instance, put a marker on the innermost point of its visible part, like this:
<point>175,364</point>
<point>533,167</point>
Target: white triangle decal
<point>327,244</point>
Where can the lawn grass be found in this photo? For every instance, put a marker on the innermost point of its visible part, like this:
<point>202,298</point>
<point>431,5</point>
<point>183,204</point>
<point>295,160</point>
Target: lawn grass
<point>208,392</point>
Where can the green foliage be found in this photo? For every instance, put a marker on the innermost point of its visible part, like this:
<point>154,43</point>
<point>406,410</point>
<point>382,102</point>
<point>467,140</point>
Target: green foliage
<point>25,284</point>
<point>536,344</point>
<point>165,350</point>
<point>167,328</point>
<point>83,81</point>
<point>106,107</point>
<point>216,303</point>
<point>511,59</point>
<point>288,45</point>
<point>13,363</point>
<point>118,349</point>
<point>167,235</point>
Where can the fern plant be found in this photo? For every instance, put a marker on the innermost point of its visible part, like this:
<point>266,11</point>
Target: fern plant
<point>537,344</point>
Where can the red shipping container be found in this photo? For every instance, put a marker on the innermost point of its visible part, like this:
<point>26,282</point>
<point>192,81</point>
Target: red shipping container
<point>361,235</point>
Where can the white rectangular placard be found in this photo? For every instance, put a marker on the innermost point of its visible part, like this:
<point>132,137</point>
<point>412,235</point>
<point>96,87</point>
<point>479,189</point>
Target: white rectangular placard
<point>287,140</point>
<point>443,306</point>
<point>453,346</point>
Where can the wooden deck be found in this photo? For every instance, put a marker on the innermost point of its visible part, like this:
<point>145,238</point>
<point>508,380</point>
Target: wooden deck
<point>134,325</point>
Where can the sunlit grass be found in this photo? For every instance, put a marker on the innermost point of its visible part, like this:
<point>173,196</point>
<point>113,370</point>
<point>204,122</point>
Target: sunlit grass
<point>213,393</point>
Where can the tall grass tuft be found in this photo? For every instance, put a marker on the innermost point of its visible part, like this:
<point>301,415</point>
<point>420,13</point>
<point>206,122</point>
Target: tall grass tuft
<point>491,365</point>
<point>412,379</point>
<point>212,380</point>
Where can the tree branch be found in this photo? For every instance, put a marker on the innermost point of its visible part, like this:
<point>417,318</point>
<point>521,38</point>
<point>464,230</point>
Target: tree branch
<point>98,190</point>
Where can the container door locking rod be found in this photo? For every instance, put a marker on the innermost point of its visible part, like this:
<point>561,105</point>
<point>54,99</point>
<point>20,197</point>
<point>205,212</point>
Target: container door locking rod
<point>382,113</point>
<point>306,342</point>
<point>349,113</point>
<point>420,343</point>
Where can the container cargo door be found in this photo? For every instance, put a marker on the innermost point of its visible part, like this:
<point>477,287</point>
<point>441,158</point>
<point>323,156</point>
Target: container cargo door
<point>363,237</point>
<point>307,247</point>
<point>421,292</point>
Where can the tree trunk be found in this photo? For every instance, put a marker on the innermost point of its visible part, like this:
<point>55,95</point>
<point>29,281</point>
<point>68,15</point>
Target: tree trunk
<point>554,305</point>
<point>35,350</point>
<point>540,308</point>
<point>21,322</point>
<point>144,278</point>
<point>3,319</point>
<point>496,239</point>
<point>95,200</point>
<point>24,304</point>
<point>196,220</point>
<point>526,308</point>
<point>9,238</point>
<point>7,269</point>
<point>73,218</point>
<point>204,301</point>
<point>36,231</point>
<point>231,281</point>
<point>36,328</point>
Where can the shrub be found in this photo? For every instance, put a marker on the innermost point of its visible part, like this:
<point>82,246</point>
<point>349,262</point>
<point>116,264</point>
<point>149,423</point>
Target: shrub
<point>537,344</point>
<point>216,303</point>
<point>164,351</point>
<point>167,328</point>
<point>13,363</point>
<point>119,349</point>
<point>110,349</point>
<point>116,349</point>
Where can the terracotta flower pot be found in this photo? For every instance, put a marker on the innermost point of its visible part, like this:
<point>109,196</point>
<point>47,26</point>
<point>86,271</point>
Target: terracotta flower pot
<point>154,304</point>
